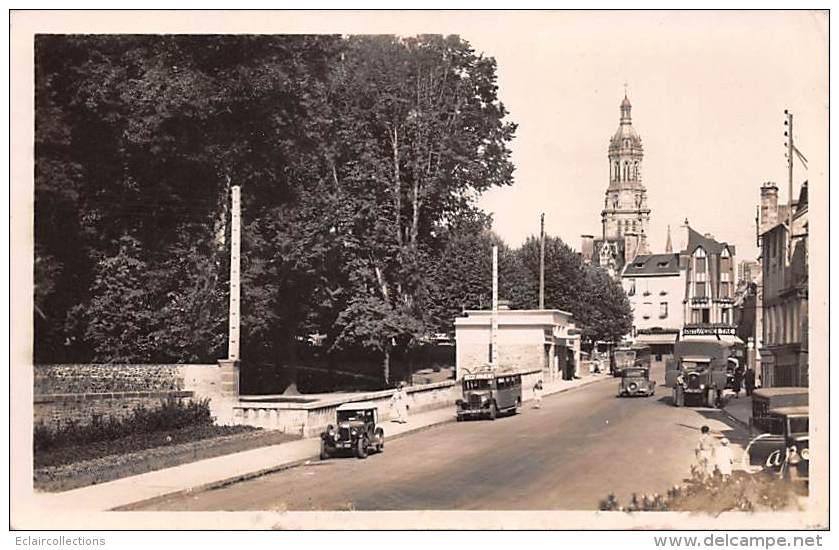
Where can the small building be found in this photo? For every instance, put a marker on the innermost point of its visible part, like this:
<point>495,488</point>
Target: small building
<point>655,286</point>
<point>527,339</point>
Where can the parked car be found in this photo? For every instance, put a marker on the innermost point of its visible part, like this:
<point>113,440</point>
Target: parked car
<point>488,394</point>
<point>356,432</point>
<point>636,381</point>
<point>765,400</point>
<point>783,446</point>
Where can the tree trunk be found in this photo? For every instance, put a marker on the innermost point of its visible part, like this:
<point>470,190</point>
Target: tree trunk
<point>386,365</point>
<point>397,185</point>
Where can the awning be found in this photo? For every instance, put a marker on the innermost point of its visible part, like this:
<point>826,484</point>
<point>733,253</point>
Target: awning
<point>663,338</point>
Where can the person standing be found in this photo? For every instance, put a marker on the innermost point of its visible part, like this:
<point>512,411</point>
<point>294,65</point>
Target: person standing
<point>705,452</point>
<point>723,458</point>
<point>537,395</point>
<point>737,384</point>
<point>399,405</point>
<point>749,379</point>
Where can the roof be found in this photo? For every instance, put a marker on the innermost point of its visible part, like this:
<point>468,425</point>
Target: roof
<point>801,410</point>
<point>358,406</point>
<point>711,246</point>
<point>653,265</point>
<point>771,392</point>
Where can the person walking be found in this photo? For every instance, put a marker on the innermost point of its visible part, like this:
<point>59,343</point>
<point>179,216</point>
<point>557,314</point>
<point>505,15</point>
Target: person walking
<point>399,405</point>
<point>537,395</point>
<point>705,452</point>
<point>723,459</point>
<point>749,379</point>
<point>737,383</point>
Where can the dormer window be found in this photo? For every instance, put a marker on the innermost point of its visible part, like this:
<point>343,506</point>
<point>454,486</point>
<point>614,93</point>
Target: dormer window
<point>725,253</point>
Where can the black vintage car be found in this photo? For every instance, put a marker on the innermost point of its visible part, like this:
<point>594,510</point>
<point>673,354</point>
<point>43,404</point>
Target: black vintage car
<point>356,433</point>
<point>781,442</point>
<point>636,381</point>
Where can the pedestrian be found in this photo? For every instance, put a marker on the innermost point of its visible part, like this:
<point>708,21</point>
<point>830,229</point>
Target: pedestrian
<point>537,395</point>
<point>749,379</point>
<point>723,458</point>
<point>737,384</point>
<point>705,452</point>
<point>399,405</point>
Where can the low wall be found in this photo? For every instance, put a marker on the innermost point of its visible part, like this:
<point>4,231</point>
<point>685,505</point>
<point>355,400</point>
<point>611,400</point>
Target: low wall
<point>309,419</point>
<point>83,392</point>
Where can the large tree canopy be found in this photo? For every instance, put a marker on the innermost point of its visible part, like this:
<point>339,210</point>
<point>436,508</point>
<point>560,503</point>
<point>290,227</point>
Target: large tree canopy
<point>360,161</point>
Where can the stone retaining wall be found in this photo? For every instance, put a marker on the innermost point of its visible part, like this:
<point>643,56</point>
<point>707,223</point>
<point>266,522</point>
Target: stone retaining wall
<point>83,392</point>
<point>309,419</point>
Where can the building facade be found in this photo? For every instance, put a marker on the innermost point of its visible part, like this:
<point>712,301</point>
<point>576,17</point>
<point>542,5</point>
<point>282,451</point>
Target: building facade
<point>527,339</point>
<point>709,279</point>
<point>784,258</point>
<point>625,215</point>
<point>655,286</point>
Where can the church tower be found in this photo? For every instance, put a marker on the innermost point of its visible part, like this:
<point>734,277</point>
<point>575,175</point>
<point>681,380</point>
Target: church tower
<point>625,214</point>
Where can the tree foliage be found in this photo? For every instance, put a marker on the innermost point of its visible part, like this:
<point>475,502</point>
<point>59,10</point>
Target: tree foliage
<point>360,160</point>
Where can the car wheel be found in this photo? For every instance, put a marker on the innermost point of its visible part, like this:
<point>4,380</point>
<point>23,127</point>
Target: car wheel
<point>493,412</point>
<point>361,448</point>
<point>380,436</point>
<point>324,454</point>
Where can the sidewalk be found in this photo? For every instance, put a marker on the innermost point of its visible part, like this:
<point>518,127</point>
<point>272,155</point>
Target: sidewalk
<point>740,409</point>
<point>224,470</point>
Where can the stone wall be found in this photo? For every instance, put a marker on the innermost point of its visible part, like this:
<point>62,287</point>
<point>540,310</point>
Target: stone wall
<point>83,392</point>
<point>311,418</point>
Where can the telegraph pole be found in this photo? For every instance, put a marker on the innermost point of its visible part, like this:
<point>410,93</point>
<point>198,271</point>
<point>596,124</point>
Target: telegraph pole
<point>542,264</point>
<point>790,152</point>
<point>494,324</point>
<point>235,246</point>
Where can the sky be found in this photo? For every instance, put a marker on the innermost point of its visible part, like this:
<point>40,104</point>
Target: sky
<point>708,93</point>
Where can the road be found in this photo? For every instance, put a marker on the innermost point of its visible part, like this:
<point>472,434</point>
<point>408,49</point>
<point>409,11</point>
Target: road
<point>579,447</point>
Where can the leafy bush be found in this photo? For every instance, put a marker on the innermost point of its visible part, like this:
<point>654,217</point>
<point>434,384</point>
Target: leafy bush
<point>172,414</point>
<point>741,492</point>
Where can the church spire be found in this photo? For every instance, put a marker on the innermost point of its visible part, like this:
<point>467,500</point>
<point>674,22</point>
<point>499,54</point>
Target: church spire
<point>669,248</point>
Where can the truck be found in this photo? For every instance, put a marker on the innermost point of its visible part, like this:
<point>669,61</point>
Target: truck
<point>698,372</point>
<point>635,355</point>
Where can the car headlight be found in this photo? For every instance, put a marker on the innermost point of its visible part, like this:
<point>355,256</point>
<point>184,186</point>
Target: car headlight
<point>701,386</point>
<point>353,431</point>
<point>805,454</point>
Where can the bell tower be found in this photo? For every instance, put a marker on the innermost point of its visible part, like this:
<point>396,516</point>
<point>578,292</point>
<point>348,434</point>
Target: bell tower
<point>625,212</point>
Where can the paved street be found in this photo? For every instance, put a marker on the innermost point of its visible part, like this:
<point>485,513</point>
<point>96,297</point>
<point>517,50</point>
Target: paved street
<point>582,445</point>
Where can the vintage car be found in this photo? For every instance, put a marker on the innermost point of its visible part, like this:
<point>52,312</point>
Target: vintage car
<point>636,381</point>
<point>764,400</point>
<point>488,394</point>
<point>356,432</point>
<point>627,357</point>
<point>782,445</point>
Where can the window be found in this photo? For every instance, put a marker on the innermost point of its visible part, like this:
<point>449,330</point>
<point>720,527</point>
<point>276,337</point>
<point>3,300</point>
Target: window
<point>725,289</point>
<point>726,316</point>
<point>700,291</point>
<point>662,310</point>
<point>630,286</point>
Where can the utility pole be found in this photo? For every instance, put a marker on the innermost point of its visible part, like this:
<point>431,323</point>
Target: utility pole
<point>542,264</point>
<point>235,246</point>
<point>790,152</point>
<point>494,324</point>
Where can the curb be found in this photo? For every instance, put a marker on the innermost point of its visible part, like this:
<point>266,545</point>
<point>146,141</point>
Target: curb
<point>294,463</point>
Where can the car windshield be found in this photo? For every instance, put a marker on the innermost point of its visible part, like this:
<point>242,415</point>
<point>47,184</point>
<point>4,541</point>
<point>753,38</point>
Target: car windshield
<point>481,384</point>
<point>624,356</point>
<point>799,425</point>
<point>693,365</point>
<point>634,373</point>
<point>352,416</point>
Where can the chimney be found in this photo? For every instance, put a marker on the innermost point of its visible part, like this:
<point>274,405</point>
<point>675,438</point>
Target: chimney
<point>587,247</point>
<point>668,248</point>
<point>768,206</point>
<point>683,236</point>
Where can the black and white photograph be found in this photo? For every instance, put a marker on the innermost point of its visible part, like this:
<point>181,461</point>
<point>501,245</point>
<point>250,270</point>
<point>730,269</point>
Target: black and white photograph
<point>446,270</point>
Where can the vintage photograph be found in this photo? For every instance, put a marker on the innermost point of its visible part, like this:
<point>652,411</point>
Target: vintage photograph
<point>319,266</point>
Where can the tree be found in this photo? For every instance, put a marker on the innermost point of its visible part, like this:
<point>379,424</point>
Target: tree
<point>598,303</point>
